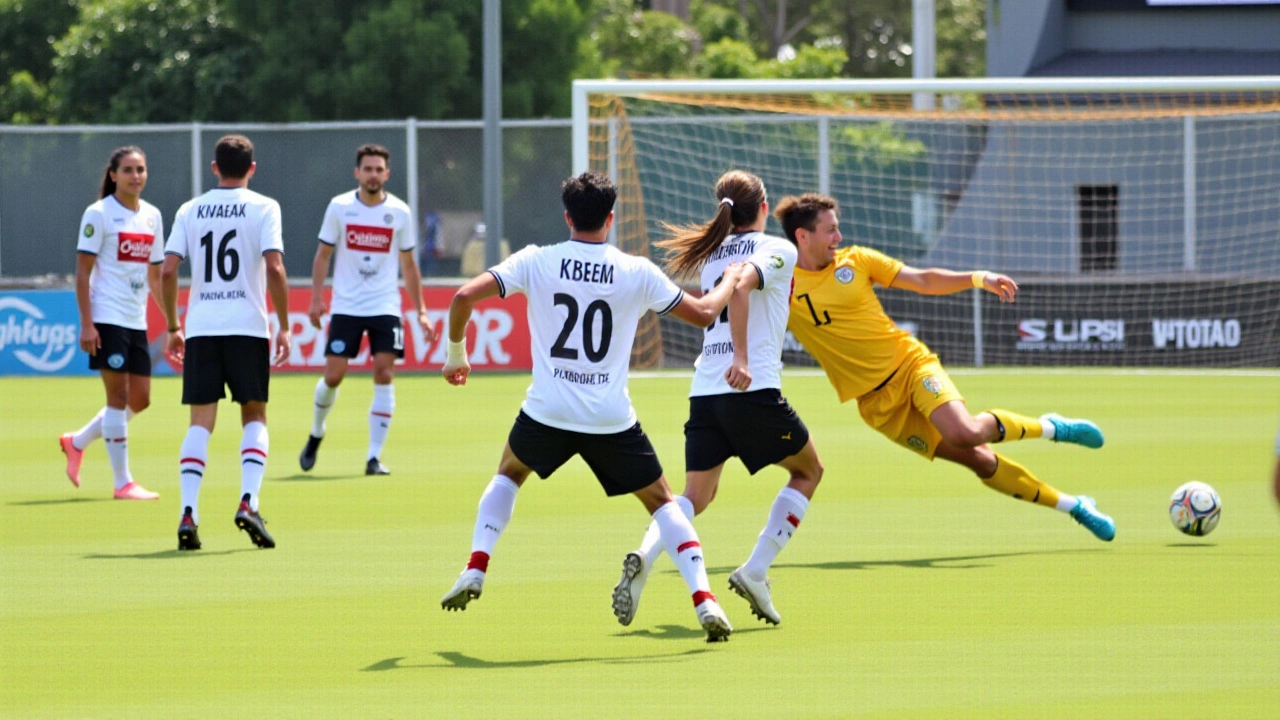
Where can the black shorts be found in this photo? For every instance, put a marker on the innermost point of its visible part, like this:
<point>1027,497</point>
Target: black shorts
<point>623,462</point>
<point>235,361</point>
<point>123,350</point>
<point>759,427</point>
<point>386,335</point>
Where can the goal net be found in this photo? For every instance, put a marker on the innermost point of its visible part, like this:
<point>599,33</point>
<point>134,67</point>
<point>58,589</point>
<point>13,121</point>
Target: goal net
<point>1141,217</point>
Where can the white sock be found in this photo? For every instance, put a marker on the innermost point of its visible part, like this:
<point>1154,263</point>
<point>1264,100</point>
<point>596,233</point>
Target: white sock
<point>93,429</point>
<point>325,398</point>
<point>191,462</point>
<point>651,546</point>
<point>1047,430</point>
<point>681,541</point>
<point>1066,503</point>
<point>496,505</point>
<point>253,461</point>
<point>384,405</point>
<point>784,519</point>
<point>115,433</point>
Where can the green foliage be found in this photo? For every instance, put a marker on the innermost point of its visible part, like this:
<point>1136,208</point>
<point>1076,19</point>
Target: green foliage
<point>727,58</point>
<point>140,61</point>
<point>402,61</point>
<point>715,22</point>
<point>24,100</point>
<point>645,42</point>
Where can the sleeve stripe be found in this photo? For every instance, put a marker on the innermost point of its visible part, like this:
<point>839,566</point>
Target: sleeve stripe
<point>759,274</point>
<point>179,255</point>
<point>271,250</point>
<point>674,303</point>
<point>86,252</point>
<point>502,287</point>
<point>326,242</point>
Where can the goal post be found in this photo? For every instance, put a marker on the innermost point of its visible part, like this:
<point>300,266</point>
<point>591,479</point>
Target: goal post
<point>1140,215</point>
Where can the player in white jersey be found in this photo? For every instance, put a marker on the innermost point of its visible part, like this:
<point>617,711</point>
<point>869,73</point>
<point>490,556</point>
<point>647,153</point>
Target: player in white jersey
<point>368,231</point>
<point>232,237</point>
<point>585,299</point>
<point>742,350</point>
<point>117,260</point>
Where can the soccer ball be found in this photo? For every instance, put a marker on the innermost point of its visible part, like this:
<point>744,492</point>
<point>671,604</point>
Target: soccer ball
<point>1195,508</point>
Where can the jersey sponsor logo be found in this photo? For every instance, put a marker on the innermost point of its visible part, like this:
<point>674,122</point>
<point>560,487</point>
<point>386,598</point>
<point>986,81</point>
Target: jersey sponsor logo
<point>134,247</point>
<point>367,238</point>
<point>745,247</point>
<point>35,342</point>
<point>844,274</point>
<point>1182,334</point>
<point>225,210</point>
<point>1089,334</point>
<point>581,378</point>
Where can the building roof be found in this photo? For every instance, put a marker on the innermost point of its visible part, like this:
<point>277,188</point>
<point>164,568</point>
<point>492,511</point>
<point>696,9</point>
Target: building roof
<point>1161,62</point>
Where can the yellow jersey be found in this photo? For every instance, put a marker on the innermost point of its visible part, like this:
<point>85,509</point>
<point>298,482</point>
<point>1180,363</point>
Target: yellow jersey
<point>836,315</point>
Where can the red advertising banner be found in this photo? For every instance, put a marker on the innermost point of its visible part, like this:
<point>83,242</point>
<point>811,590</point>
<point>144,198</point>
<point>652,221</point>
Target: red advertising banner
<point>497,336</point>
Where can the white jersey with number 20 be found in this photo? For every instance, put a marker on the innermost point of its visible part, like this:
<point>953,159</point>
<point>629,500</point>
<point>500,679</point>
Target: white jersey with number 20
<point>225,233</point>
<point>585,300</point>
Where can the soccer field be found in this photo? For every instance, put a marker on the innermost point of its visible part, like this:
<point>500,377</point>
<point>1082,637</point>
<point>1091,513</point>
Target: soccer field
<point>910,591</point>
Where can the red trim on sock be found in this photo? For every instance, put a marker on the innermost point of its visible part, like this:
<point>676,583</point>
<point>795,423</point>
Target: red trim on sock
<point>795,521</point>
<point>192,460</point>
<point>385,415</point>
<point>702,596</point>
<point>254,450</point>
<point>687,545</point>
<point>479,561</point>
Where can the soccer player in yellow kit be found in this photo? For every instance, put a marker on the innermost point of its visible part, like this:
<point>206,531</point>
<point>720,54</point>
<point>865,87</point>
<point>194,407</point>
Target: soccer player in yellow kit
<point>900,385</point>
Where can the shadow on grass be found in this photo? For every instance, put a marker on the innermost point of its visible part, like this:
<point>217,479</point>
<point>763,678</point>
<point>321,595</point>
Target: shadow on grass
<point>455,660</point>
<point>953,562</point>
<point>167,554</point>
<point>60,501</point>
<point>1191,545</point>
<point>677,632</point>
<point>309,477</point>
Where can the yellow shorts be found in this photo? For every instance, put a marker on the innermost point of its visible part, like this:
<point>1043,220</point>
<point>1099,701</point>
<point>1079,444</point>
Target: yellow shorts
<point>900,409</point>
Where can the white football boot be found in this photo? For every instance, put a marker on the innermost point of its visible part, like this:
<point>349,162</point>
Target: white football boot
<point>756,593</point>
<point>626,594</point>
<point>466,589</point>
<point>712,618</point>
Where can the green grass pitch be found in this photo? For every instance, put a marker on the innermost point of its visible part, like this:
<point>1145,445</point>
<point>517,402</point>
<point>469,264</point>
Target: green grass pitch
<point>910,591</point>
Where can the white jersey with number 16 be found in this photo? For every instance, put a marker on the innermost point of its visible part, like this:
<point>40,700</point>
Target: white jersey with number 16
<point>225,233</point>
<point>585,300</point>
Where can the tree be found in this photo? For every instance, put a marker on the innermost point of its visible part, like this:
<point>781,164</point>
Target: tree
<point>128,61</point>
<point>28,29</point>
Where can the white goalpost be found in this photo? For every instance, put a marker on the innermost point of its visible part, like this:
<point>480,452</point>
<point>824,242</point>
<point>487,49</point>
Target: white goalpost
<point>1141,215</point>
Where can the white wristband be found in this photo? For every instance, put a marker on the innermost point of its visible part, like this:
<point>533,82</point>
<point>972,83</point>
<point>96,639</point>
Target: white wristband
<point>456,352</point>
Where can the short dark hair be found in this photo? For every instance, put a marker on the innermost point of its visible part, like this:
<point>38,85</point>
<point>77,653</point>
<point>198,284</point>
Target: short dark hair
<point>802,212</point>
<point>372,149</point>
<point>234,156</point>
<point>589,199</point>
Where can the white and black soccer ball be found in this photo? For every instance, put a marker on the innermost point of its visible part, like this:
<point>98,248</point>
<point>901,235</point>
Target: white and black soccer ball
<point>1195,508</point>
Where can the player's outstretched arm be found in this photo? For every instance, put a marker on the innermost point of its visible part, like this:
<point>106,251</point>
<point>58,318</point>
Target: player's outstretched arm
<point>278,288</point>
<point>319,271</point>
<point>175,344</point>
<point>936,281</point>
<point>456,368</point>
<point>702,311</point>
<point>413,286</point>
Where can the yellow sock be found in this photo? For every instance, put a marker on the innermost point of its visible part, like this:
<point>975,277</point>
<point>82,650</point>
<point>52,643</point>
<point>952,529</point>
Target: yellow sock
<point>1017,481</point>
<point>1017,427</point>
